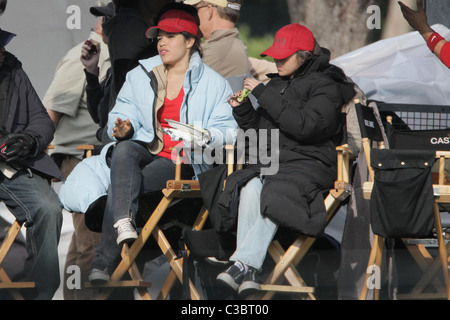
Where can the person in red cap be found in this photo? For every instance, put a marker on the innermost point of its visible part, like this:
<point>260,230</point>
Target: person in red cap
<point>175,85</point>
<point>418,21</point>
<point>300,106</point>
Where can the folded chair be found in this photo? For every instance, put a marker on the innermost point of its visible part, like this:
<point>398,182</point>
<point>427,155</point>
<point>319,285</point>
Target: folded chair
<point>285,278</point>
<point>175,190</point>
<point>415,144</point>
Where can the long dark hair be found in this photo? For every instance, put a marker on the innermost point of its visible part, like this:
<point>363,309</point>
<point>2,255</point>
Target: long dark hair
<point>192,11</point>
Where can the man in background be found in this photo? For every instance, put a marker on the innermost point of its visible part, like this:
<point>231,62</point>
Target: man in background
<point>66,104</point>
<point>223,50</point>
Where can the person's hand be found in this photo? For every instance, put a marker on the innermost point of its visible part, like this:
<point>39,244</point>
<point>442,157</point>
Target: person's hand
<point>121,129</point>
<point>233,99</point>
<point>15,146</point>
<point>249,84</point>
<point>416,19</point>
<point>89,59</point>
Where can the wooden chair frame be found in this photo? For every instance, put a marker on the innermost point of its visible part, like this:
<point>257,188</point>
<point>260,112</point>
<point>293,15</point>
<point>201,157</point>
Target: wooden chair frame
<point>175,189</point>
<point>421,255</point>
<point>5,282</point>
<point>287,260</point>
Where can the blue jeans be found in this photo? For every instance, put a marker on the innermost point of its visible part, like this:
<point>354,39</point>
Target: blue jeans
<point>134,172</point>
<point>254,231</point>
<point>32,200</point>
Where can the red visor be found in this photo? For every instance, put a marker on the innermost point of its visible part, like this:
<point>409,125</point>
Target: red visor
<point>174,21</point>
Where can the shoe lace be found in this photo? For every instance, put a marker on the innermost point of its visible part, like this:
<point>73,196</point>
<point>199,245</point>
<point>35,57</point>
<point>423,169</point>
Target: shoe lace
<point>124,225</point>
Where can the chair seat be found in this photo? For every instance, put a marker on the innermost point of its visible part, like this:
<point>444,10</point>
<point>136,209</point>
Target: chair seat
<point>16,285</point>
<point>187,185</point>
<point>182,189</point>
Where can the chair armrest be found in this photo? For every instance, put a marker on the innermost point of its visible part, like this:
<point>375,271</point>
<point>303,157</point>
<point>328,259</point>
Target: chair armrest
<point>343,163</point>
<point>88,148</point>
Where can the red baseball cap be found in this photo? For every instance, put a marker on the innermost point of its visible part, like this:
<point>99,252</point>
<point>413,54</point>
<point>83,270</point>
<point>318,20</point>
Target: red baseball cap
<point>174,21</point>
<point>290,39</point>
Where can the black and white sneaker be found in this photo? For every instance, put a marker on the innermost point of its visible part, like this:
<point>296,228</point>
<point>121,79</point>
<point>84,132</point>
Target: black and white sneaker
<point>233,276</point>
<point>98,276</point>
<point>249,284</point>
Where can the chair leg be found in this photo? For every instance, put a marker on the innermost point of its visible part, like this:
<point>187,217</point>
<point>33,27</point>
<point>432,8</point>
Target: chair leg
<point>129,255</point>
<point>9,239</point>
<point>429,268</point>
<point>442,249</point>
<point>172,277</point>
<point>135,274</point>
<point>138,244</point>
<point>176,263</point>
<point>5,281</point>
<point>285,268</point>
<point>286,262</point>
<point>374,259</point>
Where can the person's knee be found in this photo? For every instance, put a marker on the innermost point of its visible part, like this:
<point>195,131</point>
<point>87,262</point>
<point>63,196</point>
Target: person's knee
<point>252,190</point>
<point>49,211</point>
<point>123,149</point>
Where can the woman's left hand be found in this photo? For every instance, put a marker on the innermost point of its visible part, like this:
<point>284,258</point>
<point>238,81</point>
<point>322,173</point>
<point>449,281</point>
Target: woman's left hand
<point>233,99</point>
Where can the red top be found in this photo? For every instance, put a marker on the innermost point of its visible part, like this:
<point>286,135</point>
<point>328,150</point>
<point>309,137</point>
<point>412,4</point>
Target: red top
<point>445,54</point>
<point>170,110</point>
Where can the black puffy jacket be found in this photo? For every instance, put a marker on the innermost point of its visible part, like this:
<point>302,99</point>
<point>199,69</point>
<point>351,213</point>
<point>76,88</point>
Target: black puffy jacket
<point>306,110</point>
<point>27,114</point>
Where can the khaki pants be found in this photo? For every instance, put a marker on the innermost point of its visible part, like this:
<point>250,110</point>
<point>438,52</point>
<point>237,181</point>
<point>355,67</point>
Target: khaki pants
<point>81,249</point>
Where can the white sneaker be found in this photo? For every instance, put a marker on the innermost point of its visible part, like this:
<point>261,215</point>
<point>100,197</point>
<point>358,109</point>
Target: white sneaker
<point>125,231</point>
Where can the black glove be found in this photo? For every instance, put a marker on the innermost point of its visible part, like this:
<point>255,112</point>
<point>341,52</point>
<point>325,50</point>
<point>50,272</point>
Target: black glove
<point>16,145</point>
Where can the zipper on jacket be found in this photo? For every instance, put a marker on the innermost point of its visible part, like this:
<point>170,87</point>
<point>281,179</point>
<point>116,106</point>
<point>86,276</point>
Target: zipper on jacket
<point>187,97</point>
<point>154,86</point>
<point>288,84</point>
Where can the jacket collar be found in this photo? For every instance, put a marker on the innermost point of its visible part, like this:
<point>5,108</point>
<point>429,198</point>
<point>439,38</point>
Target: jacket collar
<point>193,74</point>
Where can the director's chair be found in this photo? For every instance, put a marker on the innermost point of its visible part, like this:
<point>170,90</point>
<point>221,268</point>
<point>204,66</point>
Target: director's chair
<point>175,190</point>
<point>423,131</point>
<point>285,277</point>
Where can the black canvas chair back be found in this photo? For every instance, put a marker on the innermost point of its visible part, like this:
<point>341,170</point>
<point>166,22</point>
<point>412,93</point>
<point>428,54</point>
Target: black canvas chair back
<point>404,199</point>
<point>368,123</point>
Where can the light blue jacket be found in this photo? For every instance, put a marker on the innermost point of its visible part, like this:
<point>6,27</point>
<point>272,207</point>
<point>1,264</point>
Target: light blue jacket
<point>205,105</point>
<point>205,101</point>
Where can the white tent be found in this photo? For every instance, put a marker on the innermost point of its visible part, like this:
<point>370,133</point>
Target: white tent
<point>400,70</point>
